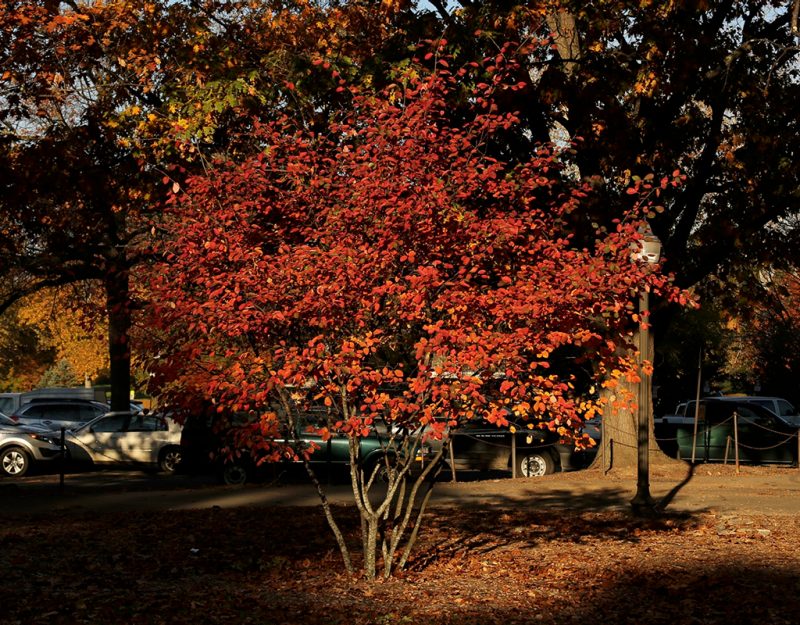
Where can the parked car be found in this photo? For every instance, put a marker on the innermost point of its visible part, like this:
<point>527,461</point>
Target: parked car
<point>125,438</point>
<point>21,446</point>
<point>763,436</point>
<point>483,446</point>
<point>201,446</point>
<point>778,405</point>
<point>58,413</point>
<point>665,426</point>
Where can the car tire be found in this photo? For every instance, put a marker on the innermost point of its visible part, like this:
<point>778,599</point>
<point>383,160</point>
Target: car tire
<point>234,474</point>
<point>170,459</point>
<point>535,464</point>
<point>14,462</point>
<point>383,475</point>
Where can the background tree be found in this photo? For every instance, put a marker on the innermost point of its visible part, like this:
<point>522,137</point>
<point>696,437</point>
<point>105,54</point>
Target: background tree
<point>60,374</point>
<point>92,96</point>
<point>71,188</point>
<point>71,325</point>
<point>764,353</point>
<point>23,359</point>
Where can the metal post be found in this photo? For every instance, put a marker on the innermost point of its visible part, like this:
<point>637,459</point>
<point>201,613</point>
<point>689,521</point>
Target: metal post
<point>697,402</point>
<point>736,438</point>
<point>328,454</point>
<point>603,444</point>
<point>727,449</point>
<point>610,454</point>
<point>62,459</point>
<point>513,455</point>
<point>643,499</point>
<point>452,461</point>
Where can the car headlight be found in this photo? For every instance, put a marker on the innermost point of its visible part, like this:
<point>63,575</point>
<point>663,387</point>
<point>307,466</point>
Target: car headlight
<point>46,439</point>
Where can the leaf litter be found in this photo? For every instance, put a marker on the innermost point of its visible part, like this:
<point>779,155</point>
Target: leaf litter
<point>481,565</point>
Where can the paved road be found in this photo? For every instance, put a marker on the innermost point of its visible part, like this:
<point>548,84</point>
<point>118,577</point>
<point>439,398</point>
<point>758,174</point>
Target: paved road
<point>772,491</point>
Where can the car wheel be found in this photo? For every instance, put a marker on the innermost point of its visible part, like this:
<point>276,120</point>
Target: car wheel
<point>234,474</point>
<point>170,459</point>
<point>15,462</point>
<point>383,467</point>
<point>535,464</point>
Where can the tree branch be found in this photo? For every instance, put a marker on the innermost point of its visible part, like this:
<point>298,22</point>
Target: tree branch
<point>17,294</point>
<point>442,10</point>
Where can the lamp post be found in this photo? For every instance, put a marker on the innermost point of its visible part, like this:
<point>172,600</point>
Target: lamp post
<point>648,251</point>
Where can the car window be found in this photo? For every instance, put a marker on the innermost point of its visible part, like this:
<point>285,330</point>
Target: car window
<point>690,409</point>
<point>33,412</point>
<point>62,413</point>
<point>764,403</point>
<point>313,418</point>
<point>113,423</point>
<point>760,418</point>
<point>717,412</point>
<point>785,408</point>
<point>142,423</point>
<point>87,413</point>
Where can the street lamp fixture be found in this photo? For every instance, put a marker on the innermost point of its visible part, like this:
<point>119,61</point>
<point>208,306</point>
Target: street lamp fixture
<point>648,251</point>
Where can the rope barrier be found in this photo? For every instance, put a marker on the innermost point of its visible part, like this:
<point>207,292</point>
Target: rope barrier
<point>783,442</point>
<point>749,423</point>
<point>708,430</point>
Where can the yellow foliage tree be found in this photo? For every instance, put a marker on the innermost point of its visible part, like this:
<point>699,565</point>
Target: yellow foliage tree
<point>71,325</point>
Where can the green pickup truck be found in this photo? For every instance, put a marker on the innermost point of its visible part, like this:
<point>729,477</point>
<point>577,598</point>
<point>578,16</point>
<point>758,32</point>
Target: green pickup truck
<point>201,445</point>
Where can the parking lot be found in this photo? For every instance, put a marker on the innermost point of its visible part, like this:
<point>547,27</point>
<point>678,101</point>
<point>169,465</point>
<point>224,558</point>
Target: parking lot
<point>711,488</point>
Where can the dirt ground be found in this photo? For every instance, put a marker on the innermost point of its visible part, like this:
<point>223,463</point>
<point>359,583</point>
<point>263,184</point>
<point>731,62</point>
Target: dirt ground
<point>709,488</point>
<point>142,549</point>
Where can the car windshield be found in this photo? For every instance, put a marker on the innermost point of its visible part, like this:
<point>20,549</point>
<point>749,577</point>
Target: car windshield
<point>80,427</point>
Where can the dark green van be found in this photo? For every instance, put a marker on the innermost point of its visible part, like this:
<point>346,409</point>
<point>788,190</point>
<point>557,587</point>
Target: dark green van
<point>763,437</point>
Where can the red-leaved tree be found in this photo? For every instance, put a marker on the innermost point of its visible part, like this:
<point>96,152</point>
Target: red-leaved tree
<point>397,273</point>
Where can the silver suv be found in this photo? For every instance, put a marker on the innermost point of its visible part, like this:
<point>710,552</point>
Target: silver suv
<point>53,414</point>
<point>21,446</point>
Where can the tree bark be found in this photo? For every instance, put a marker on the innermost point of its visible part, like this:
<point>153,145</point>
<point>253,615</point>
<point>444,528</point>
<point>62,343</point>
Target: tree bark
<point>565,36</point>
<point>117,285</point>
<point>619,446</point>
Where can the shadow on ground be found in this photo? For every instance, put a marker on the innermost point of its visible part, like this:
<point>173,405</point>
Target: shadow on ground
<point>278,566</point>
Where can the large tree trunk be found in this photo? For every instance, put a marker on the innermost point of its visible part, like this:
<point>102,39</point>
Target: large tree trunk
<point>619,447</point>
<point>565,35</point>
<point>117,285</point>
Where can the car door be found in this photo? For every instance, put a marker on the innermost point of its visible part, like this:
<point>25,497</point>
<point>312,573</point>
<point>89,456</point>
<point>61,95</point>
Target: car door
<point>480,446</point>
<point>144,438</point>
<point>335,450</point>
<point>684,432</point>
<point>719,432</point>
<point>105,439</point>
